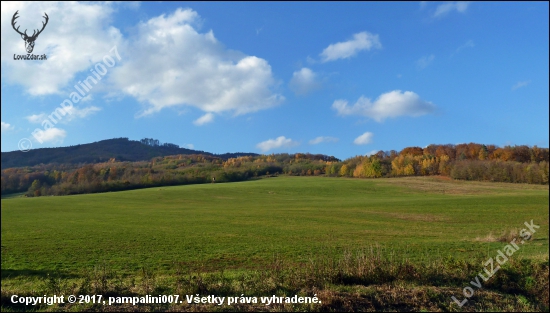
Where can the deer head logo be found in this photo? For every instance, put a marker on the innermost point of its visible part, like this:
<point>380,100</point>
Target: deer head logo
<point>29,40</point>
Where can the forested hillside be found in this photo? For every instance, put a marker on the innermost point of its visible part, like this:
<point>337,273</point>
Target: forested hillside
<point>517,164</point>
<point>121,149</point>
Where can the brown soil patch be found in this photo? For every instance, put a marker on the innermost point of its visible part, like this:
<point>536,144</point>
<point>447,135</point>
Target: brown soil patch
<point>414,216</point>
<point>446,185</point>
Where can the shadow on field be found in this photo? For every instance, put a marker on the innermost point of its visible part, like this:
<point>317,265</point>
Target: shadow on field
<point>7,273</point>
<point>363,280</point>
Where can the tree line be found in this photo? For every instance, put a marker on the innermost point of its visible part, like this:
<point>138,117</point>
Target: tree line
<point>514,164</point>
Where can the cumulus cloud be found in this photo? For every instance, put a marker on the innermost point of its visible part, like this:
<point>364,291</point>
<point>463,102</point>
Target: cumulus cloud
<point>54,135</point>
<point>304,81</point>
<point>205,119</point>
<point>343,50</point>
<point>166,62</point>
<point>445,8</point>
<point>173,64</point>
<point>6,126</point>
<point>280,142</point>
<point>189,146</point>
<point>423,62</point>
<point>364,139</point>
<point>391,104</point>
<point>77,36</point>
<point>321,139</point>
<point>521,84</point>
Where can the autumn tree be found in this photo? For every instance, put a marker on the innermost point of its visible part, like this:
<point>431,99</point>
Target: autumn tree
<point>412,151</point>
<point>344,170</point>
<point>369,168</point>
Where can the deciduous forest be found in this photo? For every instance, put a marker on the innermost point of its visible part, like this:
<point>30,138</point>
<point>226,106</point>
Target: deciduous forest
<point>513,164</point>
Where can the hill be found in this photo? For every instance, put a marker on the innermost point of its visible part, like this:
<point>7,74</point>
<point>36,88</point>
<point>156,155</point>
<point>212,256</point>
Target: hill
<point>122,149</point>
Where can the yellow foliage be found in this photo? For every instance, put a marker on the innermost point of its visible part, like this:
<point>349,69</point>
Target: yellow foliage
<point>344,170</point>
<point>409,170</point>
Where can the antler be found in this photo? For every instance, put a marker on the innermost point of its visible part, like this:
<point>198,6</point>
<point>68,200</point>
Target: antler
<point>43,25</point>
<point>13,24</point>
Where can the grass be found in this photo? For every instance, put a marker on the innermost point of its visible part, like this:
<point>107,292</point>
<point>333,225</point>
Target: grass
<point>247,227</point>
<point>14,195</point>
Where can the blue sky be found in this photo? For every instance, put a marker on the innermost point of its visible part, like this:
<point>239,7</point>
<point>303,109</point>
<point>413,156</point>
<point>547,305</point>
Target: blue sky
<point>341,79</point>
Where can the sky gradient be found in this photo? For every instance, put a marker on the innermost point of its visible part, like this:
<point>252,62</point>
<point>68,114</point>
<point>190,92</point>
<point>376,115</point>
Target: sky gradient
<point>341,79</point>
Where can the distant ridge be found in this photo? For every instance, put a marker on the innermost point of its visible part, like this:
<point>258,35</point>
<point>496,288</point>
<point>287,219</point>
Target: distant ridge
<point>122,149</point>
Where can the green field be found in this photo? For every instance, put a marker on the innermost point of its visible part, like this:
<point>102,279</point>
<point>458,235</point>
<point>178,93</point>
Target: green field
<point>245,226</point>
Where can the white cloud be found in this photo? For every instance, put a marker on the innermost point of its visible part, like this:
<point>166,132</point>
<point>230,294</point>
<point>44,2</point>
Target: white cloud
<point>67,114</point>
<point>76,37</point>
<point>37,118</point>
<point>167,62</point>
<point>468,44</point>
<point>87,98</point>
<point>189,146</point>
<point>6,126</point>
<point>280,142</point>
<point>521,84</point>
<point>423,62</point>
<point>205,119</point>
<point>172,64</point>
<point>372,152</point>
<point>321,139</point>
<point>391,104</point>
<point>53,134</point>
<point>134,5</point>
<point>347,49</point>
<point>304,81</point>
<point>445,8</point>
<point>74,112</point>
<point>364,139</point>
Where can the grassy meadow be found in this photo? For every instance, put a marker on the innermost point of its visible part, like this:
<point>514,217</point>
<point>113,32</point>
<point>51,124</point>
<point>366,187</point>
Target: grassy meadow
<point>279,224</point>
